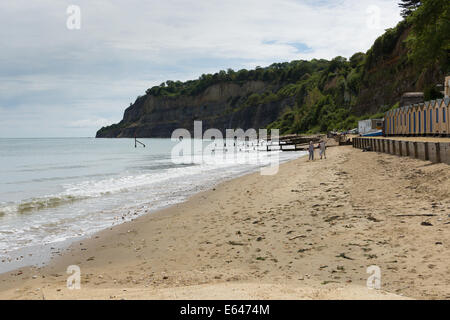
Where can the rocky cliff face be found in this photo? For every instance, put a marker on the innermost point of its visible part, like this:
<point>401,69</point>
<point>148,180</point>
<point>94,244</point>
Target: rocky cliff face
<point>219,106</point>
<point>388,74</point>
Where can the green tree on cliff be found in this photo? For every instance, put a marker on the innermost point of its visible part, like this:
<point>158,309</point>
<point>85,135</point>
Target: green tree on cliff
<point>429,41</point>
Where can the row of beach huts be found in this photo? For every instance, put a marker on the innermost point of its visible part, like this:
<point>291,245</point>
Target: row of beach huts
<point>417,118</point>
<point>430,118</point>
<point>414,118</point>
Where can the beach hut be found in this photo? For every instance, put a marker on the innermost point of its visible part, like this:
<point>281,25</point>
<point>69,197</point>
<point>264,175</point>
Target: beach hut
<point>407,108</point>
<point>394,122</point>
<point>426,120</point>
<point>430,117</point>
<point>404,121</point>
<point>400,117</point>
<point>446,106</point>
<point>422,119</point>
<point>442,109</point>
<point>391,124</point>
<point>439,113</point>
<point>388,123</point>
<point>409,120</point>
<point>434,127</point>
<point>418,117</point>
<point>400,121</point>
<point>414,114</point>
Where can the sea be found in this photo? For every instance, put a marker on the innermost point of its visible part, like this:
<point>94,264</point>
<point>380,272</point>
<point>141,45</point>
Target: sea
<point>57,190</point>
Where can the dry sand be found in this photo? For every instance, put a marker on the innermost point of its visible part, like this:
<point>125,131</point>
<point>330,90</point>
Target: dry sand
<point>308,232</point>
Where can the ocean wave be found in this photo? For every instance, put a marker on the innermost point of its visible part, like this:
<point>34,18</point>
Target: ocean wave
<point>81,191</point>
<point>51,167</point>
<point>63,178</point>
<point>37,204</point>
<point>163,166</point>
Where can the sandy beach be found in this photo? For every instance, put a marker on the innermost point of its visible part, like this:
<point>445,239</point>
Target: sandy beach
<point>309,232</point>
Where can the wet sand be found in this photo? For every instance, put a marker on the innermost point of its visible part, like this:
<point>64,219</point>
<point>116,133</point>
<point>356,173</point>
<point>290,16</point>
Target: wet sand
<point>309,232</point>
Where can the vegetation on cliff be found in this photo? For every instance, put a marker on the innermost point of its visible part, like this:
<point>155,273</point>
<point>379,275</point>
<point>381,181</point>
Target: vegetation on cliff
<point>429,41</point>
<point>322,95</point>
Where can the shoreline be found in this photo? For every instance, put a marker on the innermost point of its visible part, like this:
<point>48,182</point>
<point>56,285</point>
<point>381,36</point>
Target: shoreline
<point>26,257</point>
<point>309,231</point>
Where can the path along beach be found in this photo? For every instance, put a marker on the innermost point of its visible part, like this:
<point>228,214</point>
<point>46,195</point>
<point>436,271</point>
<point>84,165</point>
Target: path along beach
<point>308,232</point>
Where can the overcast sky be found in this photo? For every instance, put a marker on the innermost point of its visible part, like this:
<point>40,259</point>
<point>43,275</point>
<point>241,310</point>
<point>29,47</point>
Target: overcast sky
<point>58,82</point>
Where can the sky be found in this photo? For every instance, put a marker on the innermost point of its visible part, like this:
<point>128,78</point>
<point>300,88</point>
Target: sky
<point>67,68</point>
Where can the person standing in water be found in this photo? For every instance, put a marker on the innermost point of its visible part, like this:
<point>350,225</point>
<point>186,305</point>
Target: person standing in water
<point>322,147</point>
<point>311,150</point>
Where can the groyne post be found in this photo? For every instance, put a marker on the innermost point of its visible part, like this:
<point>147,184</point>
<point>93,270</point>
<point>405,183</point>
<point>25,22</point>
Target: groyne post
<point>416,150</point>
<point>438,152</point>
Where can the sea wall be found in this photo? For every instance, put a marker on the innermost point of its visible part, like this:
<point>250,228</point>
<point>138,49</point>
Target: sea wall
<point>429,151</point>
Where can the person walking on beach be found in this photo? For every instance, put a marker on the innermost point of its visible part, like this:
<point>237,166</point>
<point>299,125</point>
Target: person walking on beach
<point>322,147</point>
<point>311,150</point>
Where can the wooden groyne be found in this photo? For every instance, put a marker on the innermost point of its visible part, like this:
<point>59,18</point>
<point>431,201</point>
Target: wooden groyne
<point>425,150</point>
<point>301,139</point>
<point>285,147</point>
<point>294,142</point>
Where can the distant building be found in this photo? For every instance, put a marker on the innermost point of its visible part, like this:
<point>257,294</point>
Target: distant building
<point>410,98</point>
<point>370,126</point>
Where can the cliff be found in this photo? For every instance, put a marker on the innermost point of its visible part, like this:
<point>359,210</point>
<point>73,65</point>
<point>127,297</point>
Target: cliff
<point>388,73</point>
<point>219,106</point>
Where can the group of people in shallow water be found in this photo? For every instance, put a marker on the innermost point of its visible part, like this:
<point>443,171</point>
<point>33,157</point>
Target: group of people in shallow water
<point>322,148</point>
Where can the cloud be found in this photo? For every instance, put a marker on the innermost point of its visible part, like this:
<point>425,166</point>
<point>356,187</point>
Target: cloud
<point>89,123</point>
<point>124,47</point>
